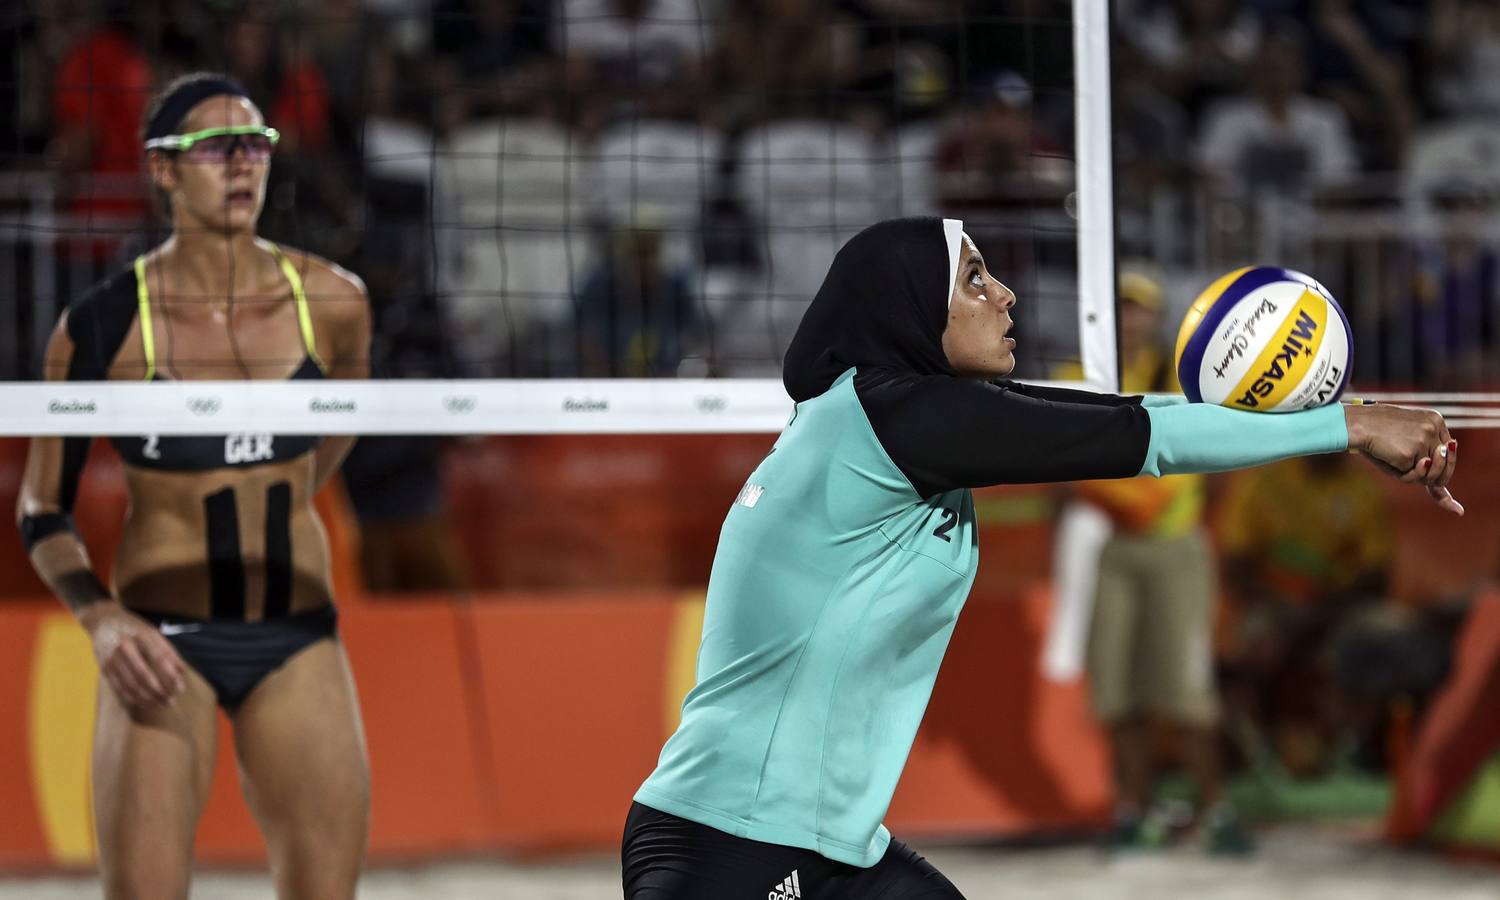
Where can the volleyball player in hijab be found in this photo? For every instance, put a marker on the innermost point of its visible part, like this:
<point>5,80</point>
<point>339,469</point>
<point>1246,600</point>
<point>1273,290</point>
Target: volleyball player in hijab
<point>220,588</point>
<point>843,564</point>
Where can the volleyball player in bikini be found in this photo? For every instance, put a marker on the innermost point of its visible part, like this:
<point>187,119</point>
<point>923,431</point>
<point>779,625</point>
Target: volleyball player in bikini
<point>220,591</point>
<point>842,566</point>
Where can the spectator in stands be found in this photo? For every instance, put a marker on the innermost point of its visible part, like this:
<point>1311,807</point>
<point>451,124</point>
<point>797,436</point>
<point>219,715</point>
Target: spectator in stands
<point>102,83</point>
<point>406,537</point>
<point>907,54</point>
<point>786,59</point>
<point>284,80</point>
<point>24,99</point>
<point>340,37</point>
<point>638,315</point>
<point>1463,56</point>
<point>995,154</point>
<point>1279,140</point>
<point>1307,550</point>
<point>1149,659</point>
<point>1354,59</point>
<point>644,57</point>
<point>1152,146</point>
<point>1452,281</point>
<point>1196,51</point>
<point>492,57</point>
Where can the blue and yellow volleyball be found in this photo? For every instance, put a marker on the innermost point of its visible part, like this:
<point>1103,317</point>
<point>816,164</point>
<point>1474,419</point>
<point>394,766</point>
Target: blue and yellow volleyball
<point>1265,339</point>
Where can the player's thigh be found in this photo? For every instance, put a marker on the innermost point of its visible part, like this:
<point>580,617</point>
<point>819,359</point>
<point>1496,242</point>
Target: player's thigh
<point>304,769</point>
<point>902,874</point>
<point>152,769</point>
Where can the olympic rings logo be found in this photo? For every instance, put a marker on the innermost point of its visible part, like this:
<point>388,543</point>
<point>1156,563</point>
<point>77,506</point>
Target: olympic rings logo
<point>460,404</point>
<point>204,406</point>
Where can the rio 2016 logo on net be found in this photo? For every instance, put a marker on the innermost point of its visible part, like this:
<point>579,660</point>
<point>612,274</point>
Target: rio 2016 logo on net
<point>711,403</point>
<point>72,407</point>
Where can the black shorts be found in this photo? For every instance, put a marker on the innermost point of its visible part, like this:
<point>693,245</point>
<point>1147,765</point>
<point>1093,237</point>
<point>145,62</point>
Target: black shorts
<point>664,857</point>
<point>234,656</point>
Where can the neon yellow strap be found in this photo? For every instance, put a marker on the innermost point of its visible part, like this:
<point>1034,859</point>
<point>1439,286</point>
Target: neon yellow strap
<point>143,307</point>
<point>304,314</point>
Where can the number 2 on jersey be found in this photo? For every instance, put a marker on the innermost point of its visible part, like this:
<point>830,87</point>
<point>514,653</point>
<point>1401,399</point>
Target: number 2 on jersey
<point>950,518</point>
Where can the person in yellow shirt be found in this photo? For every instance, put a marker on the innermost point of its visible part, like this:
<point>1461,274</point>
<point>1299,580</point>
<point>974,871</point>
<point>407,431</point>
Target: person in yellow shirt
<point>1149,657</point>
<point>1307,549</point>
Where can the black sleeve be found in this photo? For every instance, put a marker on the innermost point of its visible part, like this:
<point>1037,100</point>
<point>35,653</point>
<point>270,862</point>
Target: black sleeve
<point>1068,395</point>
<point>945,433</point>
<point>97,325</point>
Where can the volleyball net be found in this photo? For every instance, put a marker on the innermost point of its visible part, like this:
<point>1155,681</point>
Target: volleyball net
<point>578,216</point>
<point>581,216</point>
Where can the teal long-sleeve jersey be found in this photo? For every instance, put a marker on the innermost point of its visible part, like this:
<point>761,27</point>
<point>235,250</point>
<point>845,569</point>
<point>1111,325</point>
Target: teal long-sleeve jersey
<point>841,571</point>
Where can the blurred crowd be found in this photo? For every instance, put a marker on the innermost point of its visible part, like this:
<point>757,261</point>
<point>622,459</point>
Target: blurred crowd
<point>652,187</point>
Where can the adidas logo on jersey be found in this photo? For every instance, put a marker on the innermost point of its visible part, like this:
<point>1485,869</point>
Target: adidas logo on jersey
<point>790,889</point>
<point>750,495</point>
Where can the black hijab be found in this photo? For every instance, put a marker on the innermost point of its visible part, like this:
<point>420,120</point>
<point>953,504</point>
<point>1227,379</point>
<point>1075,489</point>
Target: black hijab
<point>883,305</point>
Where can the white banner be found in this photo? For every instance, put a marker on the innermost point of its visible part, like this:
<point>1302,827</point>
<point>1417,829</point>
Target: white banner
<point>551,406</point>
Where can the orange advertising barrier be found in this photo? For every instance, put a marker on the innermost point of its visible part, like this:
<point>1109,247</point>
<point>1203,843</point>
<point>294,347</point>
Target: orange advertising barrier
<point>524,723</point>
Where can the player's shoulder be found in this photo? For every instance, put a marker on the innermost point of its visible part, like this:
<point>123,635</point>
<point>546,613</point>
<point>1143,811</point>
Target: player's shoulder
<point>324,276</point>
<point>95,324</point>
<point>336,295</point>
<point>117,288</point>
<point>109,303</point>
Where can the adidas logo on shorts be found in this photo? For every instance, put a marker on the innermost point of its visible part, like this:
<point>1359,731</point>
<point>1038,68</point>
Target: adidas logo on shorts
<point>789,889</point>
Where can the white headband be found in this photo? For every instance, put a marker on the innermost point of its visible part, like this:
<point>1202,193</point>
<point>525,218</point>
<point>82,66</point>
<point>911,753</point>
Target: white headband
<point>953,232</point>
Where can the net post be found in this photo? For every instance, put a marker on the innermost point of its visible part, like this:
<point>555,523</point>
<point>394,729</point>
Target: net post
<point>1097,336</point>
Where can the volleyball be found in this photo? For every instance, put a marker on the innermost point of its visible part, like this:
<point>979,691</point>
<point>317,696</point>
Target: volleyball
<point>1264,339</point>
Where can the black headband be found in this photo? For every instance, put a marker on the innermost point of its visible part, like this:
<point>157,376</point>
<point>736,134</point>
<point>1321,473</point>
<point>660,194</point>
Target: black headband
<point>179,102</point>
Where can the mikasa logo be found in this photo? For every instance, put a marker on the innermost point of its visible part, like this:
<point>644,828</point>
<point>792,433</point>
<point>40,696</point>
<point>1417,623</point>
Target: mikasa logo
<point>1295,345</point>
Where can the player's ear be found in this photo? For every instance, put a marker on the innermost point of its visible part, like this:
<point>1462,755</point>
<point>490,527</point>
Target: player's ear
<point>163,172</point>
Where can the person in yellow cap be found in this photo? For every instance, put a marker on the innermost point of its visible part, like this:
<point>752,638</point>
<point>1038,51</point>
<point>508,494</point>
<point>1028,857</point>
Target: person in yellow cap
<point>1149,658</point>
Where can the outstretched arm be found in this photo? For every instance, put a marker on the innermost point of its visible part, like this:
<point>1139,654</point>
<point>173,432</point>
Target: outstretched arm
<point>946,433</point>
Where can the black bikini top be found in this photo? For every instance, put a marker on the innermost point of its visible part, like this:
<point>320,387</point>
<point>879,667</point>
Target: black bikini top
<point>204,452</point>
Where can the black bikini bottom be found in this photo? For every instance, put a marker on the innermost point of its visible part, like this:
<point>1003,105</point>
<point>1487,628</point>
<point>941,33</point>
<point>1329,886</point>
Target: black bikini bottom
<point>234,656</point>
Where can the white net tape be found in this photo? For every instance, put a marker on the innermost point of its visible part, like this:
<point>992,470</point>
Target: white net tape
<point>478,406</point>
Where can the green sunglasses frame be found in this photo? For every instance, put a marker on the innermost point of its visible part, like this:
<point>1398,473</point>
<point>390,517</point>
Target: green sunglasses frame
<point>185,142</point>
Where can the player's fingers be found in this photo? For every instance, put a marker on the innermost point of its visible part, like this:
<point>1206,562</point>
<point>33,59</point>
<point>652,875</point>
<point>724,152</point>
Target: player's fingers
<point>1439,465</point>
<point>1452,447</point>
<point>1382,465</point>
<point>1444,436</point>
<point>135,660</point>
<point>1445,499</point>
<point>166,661</point>
<point>1417,472</point>
<point>123,681</point>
